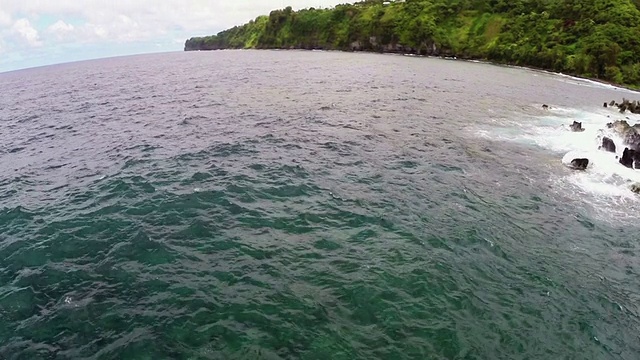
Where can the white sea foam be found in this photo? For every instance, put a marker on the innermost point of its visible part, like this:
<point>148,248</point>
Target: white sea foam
<point>605,183</point>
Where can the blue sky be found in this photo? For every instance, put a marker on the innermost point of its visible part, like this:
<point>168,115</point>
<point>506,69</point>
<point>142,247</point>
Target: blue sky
<point>43,32</point>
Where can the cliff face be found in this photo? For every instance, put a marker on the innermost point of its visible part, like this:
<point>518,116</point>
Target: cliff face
<point>592,38</point>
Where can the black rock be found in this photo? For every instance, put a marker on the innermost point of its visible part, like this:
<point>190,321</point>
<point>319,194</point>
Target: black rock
<point>604,105</point>
<point>608,145</point>
<point>580,163</point>
<point>628,157</point>
<point>576,126</point>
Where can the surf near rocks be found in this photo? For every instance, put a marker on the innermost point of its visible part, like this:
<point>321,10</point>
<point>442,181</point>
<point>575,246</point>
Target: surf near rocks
<point>618,136</point>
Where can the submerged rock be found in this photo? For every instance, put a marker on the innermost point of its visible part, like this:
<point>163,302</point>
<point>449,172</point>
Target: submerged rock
<point>635,188</point>
<point>608,145</point>
<point>576,126</point>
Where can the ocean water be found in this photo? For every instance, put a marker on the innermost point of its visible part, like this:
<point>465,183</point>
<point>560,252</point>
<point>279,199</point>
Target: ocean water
<point>312,205</point>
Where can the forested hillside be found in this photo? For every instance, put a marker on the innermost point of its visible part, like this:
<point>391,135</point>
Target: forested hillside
<point>591,38</point>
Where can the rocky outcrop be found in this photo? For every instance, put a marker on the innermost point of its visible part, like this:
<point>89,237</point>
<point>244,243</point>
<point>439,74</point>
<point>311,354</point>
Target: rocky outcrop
<point>630,158</point>
<point>632,139</point>
<point>629,134</point>
<point>618,126</point>
<point>627,158</point>
<point>575,160</point>
<point>576,126</point>
<point>580,163</point>
<point>627,105</point>
<point>608,145</point>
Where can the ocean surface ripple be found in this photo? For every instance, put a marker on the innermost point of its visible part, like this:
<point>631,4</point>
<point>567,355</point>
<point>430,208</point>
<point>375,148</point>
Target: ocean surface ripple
<point>305,205</point>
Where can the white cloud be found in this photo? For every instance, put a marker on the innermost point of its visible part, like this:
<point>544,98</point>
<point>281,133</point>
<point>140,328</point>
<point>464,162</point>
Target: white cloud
<point>23,29</point>
<point>114,23</point>
<point>61,27</point>
<point>5,19</point>
<point>153,14</point>
<point>97,30</point>
<point>60,30</point>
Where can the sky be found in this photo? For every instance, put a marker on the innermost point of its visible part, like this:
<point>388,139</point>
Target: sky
<point>44,32</point>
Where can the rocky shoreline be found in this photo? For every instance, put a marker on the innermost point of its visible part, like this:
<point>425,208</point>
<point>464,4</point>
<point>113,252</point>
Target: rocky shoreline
<point>629,136</point>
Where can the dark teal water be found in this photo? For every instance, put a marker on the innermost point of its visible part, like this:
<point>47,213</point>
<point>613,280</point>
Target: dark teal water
<point>303,205</point>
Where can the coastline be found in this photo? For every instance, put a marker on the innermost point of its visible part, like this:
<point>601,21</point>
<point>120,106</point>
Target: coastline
<point>450,57</point>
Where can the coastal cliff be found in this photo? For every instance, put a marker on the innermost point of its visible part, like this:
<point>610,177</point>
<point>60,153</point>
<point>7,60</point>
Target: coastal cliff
<point>594,38</point>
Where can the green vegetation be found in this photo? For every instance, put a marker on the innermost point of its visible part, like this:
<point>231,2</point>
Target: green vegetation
<point>592,38</point>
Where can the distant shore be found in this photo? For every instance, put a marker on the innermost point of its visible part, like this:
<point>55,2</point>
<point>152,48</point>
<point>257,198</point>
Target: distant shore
<point>447,57</point>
